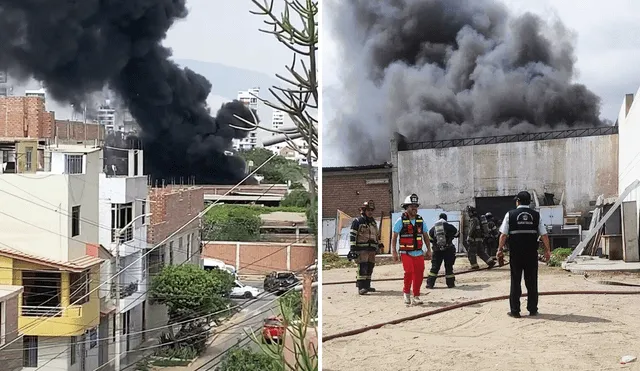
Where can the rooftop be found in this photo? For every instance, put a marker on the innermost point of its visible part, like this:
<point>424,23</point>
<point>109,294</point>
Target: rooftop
<point>8,291</point>
<point>510,138</point>
<point>71,148</point>
<point>385,165</point>
<point>77,265</point>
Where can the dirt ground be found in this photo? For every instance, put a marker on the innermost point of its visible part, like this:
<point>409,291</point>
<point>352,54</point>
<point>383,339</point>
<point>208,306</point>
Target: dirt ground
<point>577,332</point>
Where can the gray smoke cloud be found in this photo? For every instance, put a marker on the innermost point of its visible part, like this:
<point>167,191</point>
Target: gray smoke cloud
<point>78,47</point>
<point>442,69</point>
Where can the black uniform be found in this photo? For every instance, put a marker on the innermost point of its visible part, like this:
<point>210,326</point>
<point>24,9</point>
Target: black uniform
<point>491,241</point>
<point>364,242</point>
<point>475,241</point>
<point>523,256</point>
<point>446,254</point>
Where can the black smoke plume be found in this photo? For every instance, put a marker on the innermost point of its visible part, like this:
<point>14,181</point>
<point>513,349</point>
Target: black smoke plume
<point>78,47</point>
<point>445,69</point>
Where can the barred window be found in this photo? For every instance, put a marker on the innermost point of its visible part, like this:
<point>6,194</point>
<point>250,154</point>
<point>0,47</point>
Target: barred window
<point>73,164</point>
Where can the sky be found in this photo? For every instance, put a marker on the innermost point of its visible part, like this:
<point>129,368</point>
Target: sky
<point>607,48</point>
<point>225,32</point>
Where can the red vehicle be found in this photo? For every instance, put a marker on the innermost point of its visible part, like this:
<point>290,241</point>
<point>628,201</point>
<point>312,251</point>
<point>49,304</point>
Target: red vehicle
<point>273,330</point>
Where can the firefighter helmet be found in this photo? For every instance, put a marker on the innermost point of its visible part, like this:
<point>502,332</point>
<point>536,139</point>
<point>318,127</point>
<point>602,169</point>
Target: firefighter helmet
<point>411,200</point>
<point>370,205</point>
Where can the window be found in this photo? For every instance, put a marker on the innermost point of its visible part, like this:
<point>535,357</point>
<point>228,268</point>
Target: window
<point>73,349</point>
<point>73,164</point>
<point>113,327</point>
<point>30,351</point>
<point>28,158</point>
<point>171,253</point>
<point>121,216</point>
<point>79,287</point>
<point>3,323</point>
<point>156,259</point>
<point>189,238</point>
<point>93,338</point>
<point>143,211</point>
<point>145,266</point>
<point>75,221</point>
<point>181,244</point>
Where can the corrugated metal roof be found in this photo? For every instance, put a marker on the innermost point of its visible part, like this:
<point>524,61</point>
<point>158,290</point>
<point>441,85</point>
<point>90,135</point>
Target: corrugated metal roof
<point>76,265</point>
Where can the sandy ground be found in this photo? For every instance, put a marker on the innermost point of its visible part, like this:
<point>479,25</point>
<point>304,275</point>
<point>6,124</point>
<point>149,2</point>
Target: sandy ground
<point>585,332</point>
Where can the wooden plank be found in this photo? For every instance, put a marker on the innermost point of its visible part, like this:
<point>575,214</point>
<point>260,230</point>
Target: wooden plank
<point>593,231</point>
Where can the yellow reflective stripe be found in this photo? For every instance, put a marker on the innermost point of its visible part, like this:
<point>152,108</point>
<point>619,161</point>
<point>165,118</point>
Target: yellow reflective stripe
<point>360,278</point>
<point>433,274</point>
<point>450,276</point>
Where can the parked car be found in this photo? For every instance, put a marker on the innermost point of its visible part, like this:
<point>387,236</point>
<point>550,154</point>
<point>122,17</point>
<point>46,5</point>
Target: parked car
<point>280,282</point>
<point>210,264</point>
<point>241,290</point>
<point>272,330</point>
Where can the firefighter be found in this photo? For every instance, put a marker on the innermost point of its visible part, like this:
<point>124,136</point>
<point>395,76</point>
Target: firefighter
<point>475,240</point>
<point>522,226</point>
<point>413,246</point>
<point>441,236</point>
<point>491,241</point>
<point>364,245</point>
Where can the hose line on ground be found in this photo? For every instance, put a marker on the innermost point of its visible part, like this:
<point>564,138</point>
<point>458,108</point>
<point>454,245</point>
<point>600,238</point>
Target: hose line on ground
<point>465,304</point>
<point>401,278</point>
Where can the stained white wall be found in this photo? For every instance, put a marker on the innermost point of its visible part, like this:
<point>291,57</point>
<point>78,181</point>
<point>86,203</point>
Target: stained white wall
<point>451,178</point>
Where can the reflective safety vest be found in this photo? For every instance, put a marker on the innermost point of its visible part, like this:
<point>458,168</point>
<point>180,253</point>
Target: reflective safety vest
<point>410,235</point>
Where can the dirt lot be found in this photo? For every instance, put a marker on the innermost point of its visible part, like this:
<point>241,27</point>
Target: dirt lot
<point>585,332</point>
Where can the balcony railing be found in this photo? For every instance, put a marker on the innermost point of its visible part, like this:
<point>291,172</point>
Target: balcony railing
<point>40,311</point>
<point>126,290</point>
<point>127,235</point>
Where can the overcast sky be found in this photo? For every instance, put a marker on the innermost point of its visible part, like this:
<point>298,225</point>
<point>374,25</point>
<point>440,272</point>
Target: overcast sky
<point>607,50</point>
<point>225,32</point>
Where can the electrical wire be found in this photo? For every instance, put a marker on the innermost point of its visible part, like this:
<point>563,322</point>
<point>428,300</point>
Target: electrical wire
<point>199,215</point>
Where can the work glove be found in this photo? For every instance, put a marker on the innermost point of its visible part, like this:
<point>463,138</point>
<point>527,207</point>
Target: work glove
<point>352,255</point>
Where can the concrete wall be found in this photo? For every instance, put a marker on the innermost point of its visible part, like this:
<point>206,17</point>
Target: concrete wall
<point>629,129</point>
<point>11,356</point>
<point>346,190</point>
<point>451,178</point>
<point>37,209</point>
<point>261,257</point>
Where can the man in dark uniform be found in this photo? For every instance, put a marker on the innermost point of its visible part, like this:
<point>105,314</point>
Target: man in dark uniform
<point>363,246</point>
<point>441,236</point>
<point>491,241</point>
<point>522,226</point>
<point>475,240</point>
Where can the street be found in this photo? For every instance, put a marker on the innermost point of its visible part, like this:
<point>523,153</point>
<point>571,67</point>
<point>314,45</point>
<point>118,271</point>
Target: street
<point>250,319</point>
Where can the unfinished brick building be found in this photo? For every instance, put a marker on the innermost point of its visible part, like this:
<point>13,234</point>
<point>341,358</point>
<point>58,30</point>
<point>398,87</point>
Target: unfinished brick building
<point>27,117</point>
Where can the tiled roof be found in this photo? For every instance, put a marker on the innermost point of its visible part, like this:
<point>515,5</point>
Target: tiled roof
<point>76,265</point>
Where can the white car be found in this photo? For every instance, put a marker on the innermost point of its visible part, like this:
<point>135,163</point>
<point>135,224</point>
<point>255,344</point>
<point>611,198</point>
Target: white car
<point>241,290</point>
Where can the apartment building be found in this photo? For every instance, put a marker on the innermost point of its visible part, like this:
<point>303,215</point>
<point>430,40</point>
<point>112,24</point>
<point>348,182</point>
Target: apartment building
<point>49,222</point>
<point>11,356</point>
<point>123,209</point>
<point>172,208</point>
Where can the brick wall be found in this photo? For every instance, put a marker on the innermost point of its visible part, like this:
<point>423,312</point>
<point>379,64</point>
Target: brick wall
<point>261,257</point>
<point>22,117</point>
<point>171,208</point>
<point>11,356</point>
<point>75,130</point>
<point>346,190</point>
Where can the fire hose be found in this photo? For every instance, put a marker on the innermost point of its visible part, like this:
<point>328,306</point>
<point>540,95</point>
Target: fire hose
<point>400,278</point>
<point>465,304</point>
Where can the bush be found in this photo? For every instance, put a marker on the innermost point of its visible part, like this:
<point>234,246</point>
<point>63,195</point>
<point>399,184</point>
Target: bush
<point>297,198</point>
<point>243,359</point>
<point>238,222</point>
<point>558,256</point>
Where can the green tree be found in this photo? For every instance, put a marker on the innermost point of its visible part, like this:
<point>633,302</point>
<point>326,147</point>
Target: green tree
<point>279,170</point>
<point>296,198</point>
<point>232,223</point>
<point>243,359</point>
<point>190,292</point>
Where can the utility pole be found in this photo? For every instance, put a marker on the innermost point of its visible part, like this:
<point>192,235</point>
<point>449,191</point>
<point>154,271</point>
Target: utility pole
<point>118,323</point>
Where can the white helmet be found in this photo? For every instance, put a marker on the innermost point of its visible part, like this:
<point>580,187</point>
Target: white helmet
<point>410,200</point>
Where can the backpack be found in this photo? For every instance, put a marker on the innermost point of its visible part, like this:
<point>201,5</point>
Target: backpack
<point>440,234</point>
